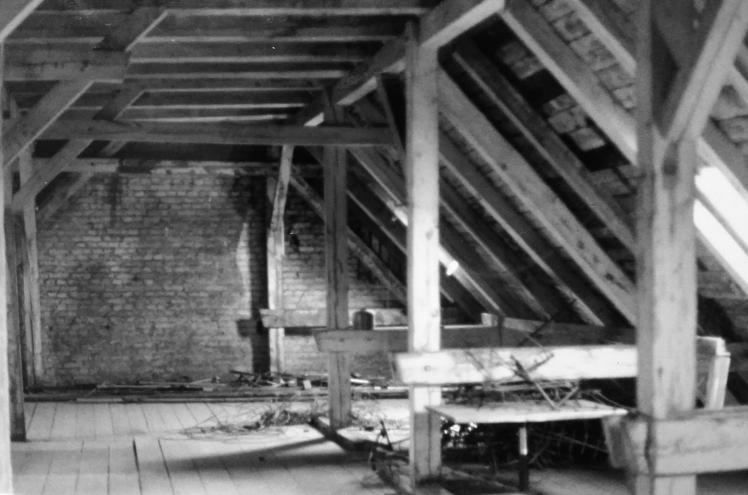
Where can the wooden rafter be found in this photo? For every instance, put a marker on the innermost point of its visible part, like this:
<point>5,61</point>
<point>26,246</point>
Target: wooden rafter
<point>439,26</point>
<point>545,140</point>
<point>217,133</point>
<point>561,224</point>
<point>13,13</point>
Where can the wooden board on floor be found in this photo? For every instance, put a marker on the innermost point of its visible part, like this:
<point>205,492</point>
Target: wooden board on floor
<point>154,478</point>
<point>525,412</point>
<point>94,468</point>
<point>123,471</point>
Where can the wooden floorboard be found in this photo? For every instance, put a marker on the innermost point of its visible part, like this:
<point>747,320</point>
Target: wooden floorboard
<point>63,472</point>
<point>85,426</point>
<point>94,469</point>
<point>63,427</point>
<point>182,470</point>
<point>41,426</point>
<point>28,410</point>
<point>123,471</point>
<point>120,421</point>
<point>154,477</point>
<point>103,420</point>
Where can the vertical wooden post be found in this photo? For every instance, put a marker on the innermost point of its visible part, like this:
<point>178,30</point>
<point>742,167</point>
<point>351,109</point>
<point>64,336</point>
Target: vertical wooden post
<point>276,252</point>
<point>6,472</point>
<point>666,263</point>
<point>32,316</point>
<point>336,262</point>
<point>15,340</point>
<point>424,309</point>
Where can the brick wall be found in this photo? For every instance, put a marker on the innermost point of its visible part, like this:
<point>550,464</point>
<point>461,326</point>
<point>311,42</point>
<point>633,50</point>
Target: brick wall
<point>161,276</point>
<point>304,287</point>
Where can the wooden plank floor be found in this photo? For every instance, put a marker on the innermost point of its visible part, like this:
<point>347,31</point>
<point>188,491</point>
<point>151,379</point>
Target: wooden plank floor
<point>170,448</point>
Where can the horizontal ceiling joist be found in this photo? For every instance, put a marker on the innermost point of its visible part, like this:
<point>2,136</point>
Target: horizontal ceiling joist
<point>198,114</point>
<point>61,65</point>
<point>252,7</point>
<point>202,52</point>
<point>217,133</point>
<point>43,27</point>
<point>439,26</point>
<point>304,71</point>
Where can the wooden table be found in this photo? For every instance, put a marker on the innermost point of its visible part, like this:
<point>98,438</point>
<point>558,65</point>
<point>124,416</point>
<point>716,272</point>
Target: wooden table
<point>523,413</point>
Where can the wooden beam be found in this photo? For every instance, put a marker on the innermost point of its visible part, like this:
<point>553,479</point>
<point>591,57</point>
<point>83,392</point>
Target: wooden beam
<point>583,85</point>
<point>6,470</point>
<point>356,245</point>
<point>136,26</point>
<point>258,8</point>
<point>666,258</point>
<point>276,251</point>
<point>485,364</point>
<point>561,224</point>
<point>545,140</point>
<point>573,74</point>
<point>422,188</point>
<point>357,342</point>
<point>295,71</point>
<point>15,339</point>
<point>439,26</point>
<point>61,196</point>
<point>70,151</point>
<point>63,65</point>
<point>583,299</point>
<point>217,133</point>
<point>451,18</point>
<point>337,275</point>
<point>716,40</point>
<point>13,13</point>
<point>253,51</point>
<point>700,441</point>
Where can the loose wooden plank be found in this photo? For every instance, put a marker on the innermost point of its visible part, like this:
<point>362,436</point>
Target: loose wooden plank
<point>357,342</point>
<point>525,412</point>
<point>217,133</point>
<point>480,365</point>
<point>422,188</point>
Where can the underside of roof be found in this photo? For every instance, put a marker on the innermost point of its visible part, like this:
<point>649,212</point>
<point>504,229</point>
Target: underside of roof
<point>537,134</point>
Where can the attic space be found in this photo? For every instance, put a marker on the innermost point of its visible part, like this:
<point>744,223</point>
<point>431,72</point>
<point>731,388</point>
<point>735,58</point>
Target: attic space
<point>374,246</point>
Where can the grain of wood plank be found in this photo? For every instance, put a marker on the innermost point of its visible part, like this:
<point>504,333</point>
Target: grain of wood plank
<point>41,426</point>
<point>184,476</point>
<point>123,472</point>
<point>138,424</point>
<point>154,478</point>
<point>94,468</point>
<point>30,409</point>
<point>63,426</point>
<point>63,471</point>
<point>213,473</point>
<point>156,422</point>
<point>201,412</point>
<point>32,476</point>
<point>168,413</point>
<point>120,422</point>
<point>103,421</point>
<point>184,415</point>
<point>255,473</point>
<point>85,426</point>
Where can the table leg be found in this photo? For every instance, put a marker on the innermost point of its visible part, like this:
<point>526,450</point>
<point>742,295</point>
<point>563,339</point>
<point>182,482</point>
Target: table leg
<point>524,469</point>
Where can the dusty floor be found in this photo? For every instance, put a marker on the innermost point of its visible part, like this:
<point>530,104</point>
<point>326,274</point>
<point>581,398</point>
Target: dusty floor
<point>203,448</point>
